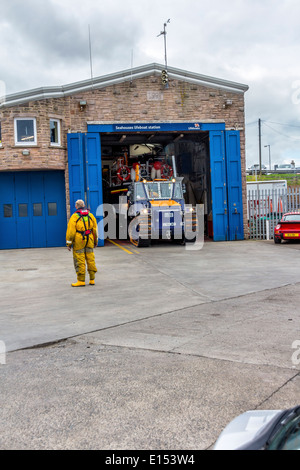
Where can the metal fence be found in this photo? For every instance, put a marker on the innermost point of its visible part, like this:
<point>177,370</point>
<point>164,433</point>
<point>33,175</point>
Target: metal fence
<point>265,209</point>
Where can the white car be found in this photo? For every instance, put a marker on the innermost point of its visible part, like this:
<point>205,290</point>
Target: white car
<point>262,430</point>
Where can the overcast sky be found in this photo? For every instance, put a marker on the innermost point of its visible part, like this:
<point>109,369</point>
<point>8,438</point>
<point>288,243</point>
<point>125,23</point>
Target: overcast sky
<point>255,42</point>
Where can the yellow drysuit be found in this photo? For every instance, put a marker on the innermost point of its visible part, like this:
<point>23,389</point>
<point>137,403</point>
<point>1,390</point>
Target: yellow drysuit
<point>82,235</point>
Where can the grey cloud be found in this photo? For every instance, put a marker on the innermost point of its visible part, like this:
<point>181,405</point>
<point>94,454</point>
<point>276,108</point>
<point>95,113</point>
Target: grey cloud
<point>50,39</point>
<point>253,42</point>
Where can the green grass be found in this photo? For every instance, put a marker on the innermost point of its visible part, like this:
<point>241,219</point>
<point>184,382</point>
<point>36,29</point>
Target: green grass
<point>292,179</point>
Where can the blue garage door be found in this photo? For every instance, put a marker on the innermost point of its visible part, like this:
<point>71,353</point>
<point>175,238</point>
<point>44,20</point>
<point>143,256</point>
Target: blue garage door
<point>85,175</point>
<point>32,209</point>
<point>226,184</point>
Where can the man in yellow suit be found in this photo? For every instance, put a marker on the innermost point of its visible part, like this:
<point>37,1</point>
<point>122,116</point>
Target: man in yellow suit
<point>82,235</point>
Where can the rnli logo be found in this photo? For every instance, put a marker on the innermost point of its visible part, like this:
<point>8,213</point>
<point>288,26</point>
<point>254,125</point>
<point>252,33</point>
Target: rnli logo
<point>194,126</point>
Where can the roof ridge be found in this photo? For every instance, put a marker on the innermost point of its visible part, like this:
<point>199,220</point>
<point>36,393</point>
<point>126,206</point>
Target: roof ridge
<point>58,91</point>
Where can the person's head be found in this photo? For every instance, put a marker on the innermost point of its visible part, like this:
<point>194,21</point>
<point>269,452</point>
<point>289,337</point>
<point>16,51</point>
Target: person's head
<point>79,204</point>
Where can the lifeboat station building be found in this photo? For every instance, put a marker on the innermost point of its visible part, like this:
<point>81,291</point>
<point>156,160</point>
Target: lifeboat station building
<point>59,144</point>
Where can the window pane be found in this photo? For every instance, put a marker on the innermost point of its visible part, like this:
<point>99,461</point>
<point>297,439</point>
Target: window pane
<point>52,208</point>
<point>23,210</point>
<point>140,193</point>
<point>8,210</point>
<point>166,190</point>
<point>152,190</point>
<point>37,209</point>
<point>25,131</point>
<point>178,191</point>
<point>54,132</point>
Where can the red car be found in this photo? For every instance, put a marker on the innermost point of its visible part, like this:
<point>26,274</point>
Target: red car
<point>288,228</point>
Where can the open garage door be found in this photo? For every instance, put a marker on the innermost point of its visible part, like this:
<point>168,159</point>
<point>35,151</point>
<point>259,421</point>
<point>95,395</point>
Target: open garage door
<point>234,185</point>
<point>206,155</point>
<point>32,209</point>
<point>85,174</point>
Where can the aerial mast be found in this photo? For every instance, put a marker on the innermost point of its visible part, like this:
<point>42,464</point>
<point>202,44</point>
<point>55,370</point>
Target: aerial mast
<point>164,33</point>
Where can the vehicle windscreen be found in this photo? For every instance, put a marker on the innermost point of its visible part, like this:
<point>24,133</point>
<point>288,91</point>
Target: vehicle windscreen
<point>163,190</point>
<point>139,191</point>
<point>291,218</point>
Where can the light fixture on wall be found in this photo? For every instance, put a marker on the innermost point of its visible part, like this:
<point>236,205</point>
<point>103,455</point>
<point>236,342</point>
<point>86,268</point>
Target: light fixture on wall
<point>82,105</point>
<point>26,153</point>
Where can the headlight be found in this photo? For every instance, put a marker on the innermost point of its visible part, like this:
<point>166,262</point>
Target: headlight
<point>278,227</point>
<point>144,211</point>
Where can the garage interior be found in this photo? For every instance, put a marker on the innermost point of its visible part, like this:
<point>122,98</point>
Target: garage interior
<point>192,159</point>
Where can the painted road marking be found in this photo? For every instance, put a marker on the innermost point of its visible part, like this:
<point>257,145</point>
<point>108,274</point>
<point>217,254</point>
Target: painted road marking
<point>119,246</point>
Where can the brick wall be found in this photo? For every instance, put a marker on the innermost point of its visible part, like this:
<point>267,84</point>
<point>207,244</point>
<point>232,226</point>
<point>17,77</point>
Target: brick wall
<point>143,100</point>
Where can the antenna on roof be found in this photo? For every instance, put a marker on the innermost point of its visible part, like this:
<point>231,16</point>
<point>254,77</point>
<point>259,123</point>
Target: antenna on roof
<point>90,48</point>
<point>164,33</point>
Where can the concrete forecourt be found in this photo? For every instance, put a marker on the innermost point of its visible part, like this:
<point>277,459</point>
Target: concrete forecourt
<point>168,346</point>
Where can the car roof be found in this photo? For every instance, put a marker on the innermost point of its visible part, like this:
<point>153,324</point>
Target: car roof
<point>291,213</point>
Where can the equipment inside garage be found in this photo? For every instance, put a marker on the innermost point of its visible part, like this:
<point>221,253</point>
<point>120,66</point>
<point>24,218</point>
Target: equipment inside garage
<point>207,157</point>
<point>171,154</point>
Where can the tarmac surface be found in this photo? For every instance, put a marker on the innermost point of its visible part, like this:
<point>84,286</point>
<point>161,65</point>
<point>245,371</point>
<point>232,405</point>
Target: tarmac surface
<point>162,353</point>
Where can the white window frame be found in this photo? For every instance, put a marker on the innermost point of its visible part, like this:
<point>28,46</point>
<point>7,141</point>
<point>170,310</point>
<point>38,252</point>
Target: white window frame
<point>25,143</point>
<point>55,144</point>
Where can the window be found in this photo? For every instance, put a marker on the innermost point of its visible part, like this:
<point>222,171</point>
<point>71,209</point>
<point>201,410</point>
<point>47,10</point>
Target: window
<point>8,210</point>
<point>25,131</point>
<point>178,191</point>
<point>162,190</point>
<point>152,190</point>
<point>292,218</point>
<point>23,210</point>
<point>139,191</point>
<point>52,208</point>
<point>37,209</point>
<point>288,436</point>
<point>54,132</point>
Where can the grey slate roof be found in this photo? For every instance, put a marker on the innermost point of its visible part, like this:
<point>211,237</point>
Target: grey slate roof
<point>119,77</point>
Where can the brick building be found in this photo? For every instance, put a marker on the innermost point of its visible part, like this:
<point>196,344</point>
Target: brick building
<point>198,119</point>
